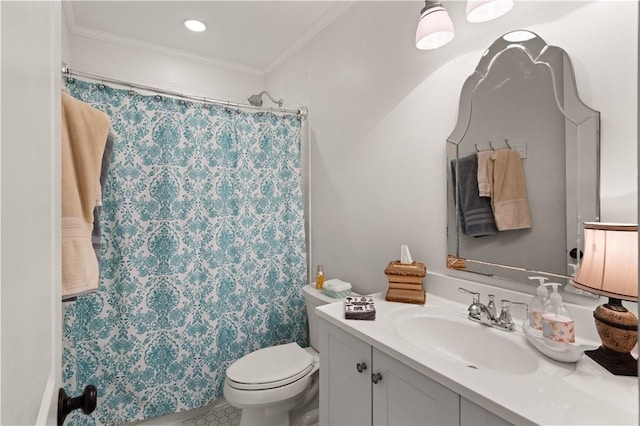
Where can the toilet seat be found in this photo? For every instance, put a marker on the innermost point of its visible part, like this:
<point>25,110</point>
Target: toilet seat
<point>271,367</point>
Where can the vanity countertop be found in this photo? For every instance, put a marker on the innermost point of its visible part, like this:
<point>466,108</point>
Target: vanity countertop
<point>556,393</point>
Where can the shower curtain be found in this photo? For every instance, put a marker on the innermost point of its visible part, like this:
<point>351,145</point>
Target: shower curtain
<point>202,257</point>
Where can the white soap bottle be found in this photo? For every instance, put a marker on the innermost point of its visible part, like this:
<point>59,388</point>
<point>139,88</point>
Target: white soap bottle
<point>536,307</point>
<point>557,323</point>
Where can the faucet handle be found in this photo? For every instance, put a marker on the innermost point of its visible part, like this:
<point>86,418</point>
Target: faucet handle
<point>505,314</point>
<point>474,308</point>
<point>505,320</point>
<point>476,296</point>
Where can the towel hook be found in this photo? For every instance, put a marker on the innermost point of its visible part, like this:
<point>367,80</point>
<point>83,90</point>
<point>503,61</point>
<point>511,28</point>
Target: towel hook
<point>491,146</point>
<point>476,146</point>
<point>506,141</point>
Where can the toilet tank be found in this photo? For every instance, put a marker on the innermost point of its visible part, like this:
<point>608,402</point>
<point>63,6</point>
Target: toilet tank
<point>313,298</point>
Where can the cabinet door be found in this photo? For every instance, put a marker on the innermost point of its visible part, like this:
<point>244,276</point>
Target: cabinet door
<point>345,392</point>
<point>474,415</point>
<point>404,396</point>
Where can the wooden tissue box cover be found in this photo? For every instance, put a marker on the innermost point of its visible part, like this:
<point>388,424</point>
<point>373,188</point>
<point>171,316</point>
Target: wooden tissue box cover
<point>405,282</point>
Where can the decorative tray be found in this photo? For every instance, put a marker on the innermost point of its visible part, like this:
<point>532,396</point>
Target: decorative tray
<point>566,353</point>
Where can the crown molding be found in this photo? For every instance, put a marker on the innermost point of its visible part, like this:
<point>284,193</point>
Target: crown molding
<point>76,30</point>
<point>81,31</point>
<point>327,18</point>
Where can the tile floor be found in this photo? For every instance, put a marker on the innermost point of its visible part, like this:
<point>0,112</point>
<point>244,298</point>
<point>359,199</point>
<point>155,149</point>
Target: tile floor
<point>222,414</point>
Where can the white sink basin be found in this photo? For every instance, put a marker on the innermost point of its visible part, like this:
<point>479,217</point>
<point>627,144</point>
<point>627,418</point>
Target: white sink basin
<point>471,344</point>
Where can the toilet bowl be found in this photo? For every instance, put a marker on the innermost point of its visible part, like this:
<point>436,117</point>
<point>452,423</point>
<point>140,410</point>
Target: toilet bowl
<point>268,384</point>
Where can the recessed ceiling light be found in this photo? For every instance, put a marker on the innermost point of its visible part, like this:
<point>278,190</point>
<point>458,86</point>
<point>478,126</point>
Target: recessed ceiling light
<point>195,25</point>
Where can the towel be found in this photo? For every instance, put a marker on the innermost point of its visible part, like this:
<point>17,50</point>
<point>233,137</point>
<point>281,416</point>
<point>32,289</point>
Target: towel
<point>84,136</point>
<point>475,211</point>
<point>509,191</point>
<point>484,183</point>
<point>104,169</point>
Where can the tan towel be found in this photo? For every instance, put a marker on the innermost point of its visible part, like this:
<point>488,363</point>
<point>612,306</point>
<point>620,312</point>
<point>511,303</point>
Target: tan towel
<point>508,191</point>
<point>484,183</point>
<point>84,135</point>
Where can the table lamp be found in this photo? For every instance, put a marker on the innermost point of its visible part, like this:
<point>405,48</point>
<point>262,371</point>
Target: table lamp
<point>610,268</point>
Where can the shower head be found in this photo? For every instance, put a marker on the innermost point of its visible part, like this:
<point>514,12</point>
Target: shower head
<point>256,100</point>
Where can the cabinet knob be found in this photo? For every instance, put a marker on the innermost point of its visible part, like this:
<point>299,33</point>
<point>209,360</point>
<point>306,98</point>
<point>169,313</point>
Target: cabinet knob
<point>376,377</point>
<point>361,366</point>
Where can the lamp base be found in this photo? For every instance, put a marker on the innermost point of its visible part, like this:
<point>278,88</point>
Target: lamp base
<point>618,363</point>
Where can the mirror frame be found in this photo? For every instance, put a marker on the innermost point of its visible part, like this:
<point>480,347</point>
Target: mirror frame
<point>582,138</point>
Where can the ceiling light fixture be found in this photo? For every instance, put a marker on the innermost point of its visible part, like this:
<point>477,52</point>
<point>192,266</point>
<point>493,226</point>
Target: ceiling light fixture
<point>486,10</point>
<point>195,25</point>
<point>435,28</point>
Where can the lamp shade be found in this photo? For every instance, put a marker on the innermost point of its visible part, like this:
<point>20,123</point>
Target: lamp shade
<point>435,28</point>
<point>610,263</point>
<point>486,10</point>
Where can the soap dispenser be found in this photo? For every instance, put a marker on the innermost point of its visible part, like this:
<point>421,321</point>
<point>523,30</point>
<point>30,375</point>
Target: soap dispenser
<point>557,323</point>
<point>536,307</point>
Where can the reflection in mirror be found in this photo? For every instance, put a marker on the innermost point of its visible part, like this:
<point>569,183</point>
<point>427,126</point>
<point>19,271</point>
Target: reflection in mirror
<point>521,98</point>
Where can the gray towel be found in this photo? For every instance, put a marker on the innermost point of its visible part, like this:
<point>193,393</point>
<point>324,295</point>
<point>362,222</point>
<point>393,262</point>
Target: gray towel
<point>106,162</point>
<point>476,216</point>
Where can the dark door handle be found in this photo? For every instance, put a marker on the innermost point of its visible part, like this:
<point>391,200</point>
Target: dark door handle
<point>361,366</point>
<point>87,402</point>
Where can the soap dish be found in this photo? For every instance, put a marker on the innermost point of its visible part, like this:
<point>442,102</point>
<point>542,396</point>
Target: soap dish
<point>568,353</point>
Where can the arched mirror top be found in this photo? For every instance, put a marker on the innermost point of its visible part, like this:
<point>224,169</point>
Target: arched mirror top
<point>521,50</point>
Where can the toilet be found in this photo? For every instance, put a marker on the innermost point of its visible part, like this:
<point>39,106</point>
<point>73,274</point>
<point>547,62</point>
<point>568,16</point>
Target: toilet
<point>272,384</point>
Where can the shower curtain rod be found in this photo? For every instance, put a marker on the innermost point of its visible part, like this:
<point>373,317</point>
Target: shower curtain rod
<point>69,74</point>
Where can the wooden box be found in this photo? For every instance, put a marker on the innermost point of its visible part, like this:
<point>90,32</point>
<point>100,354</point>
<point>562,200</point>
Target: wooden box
<point>405,282</point>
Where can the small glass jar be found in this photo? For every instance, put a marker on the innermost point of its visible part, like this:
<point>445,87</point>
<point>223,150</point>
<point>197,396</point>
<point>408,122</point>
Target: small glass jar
<point>319,277</point>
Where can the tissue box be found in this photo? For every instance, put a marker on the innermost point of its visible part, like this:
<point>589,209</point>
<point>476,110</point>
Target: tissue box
<point>405,282</point>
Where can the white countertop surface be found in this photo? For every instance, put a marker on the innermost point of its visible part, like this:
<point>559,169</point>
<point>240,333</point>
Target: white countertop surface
<point>581,393</point>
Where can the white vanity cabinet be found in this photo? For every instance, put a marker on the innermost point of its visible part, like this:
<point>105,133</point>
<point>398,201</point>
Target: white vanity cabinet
<point>360,385</point>
<point>418,384</point>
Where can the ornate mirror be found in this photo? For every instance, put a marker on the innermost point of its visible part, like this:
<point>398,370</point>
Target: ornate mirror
<point>522,97</point>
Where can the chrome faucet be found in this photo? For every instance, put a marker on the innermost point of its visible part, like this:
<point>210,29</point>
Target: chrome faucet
<point>486,314</point>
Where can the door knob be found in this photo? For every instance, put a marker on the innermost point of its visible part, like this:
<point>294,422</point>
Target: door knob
<point>361,366</point>
<point>376,377</point>
<point>87,402</point>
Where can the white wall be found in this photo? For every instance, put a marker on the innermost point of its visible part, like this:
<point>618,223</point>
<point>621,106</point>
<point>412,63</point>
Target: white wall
<point>163,70</point>
<point>30,200</point>
<point>381,110</point>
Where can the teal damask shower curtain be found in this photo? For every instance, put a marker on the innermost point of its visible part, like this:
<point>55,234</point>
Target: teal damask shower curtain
<point>202,257</point>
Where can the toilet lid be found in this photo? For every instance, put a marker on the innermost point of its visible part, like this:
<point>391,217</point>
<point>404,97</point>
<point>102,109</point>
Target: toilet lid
<point>270,367</point>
